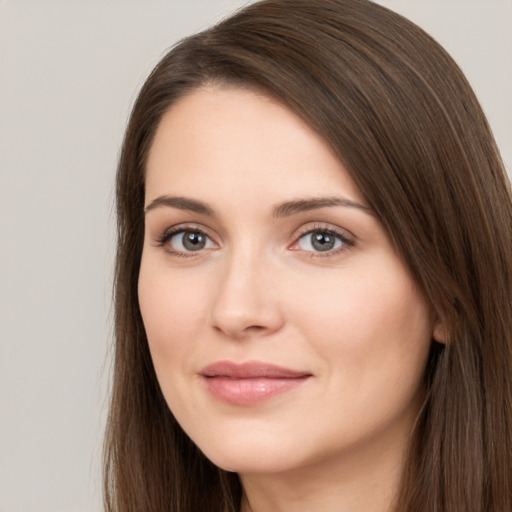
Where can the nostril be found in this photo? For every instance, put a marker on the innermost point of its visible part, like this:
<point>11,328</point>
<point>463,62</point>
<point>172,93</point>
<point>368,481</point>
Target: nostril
<point>242,332</point>
<point>254,328</point>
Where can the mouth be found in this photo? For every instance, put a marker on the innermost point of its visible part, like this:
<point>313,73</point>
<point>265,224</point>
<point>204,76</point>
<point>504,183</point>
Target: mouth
<point>250,383</point>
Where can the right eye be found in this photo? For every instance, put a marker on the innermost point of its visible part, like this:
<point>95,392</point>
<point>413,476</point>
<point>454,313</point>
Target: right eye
<point>187,240</point>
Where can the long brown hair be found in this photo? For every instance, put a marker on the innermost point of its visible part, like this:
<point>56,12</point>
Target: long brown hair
<point>405,123</point>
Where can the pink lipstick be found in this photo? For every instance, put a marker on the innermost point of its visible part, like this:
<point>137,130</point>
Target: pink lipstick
<point>249,383</point>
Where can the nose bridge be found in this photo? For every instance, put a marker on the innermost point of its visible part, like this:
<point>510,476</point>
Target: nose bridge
<point>244,303</point>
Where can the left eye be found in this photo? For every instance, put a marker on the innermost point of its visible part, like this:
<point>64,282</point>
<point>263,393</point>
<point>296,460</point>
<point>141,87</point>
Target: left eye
<point>190,241</point>
<point>320,241</point>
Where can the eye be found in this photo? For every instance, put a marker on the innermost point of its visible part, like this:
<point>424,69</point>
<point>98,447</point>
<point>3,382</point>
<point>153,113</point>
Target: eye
<point>187,240</point>
<point>321,241</point>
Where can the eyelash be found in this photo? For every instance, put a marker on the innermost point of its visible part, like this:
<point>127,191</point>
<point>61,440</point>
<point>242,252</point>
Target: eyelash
<point>167,235</point>
<point>347,243</point>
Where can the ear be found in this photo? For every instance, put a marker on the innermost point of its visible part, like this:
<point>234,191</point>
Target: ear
<point>439,332</point>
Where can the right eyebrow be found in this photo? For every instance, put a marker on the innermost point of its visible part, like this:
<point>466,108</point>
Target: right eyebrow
<point>182,203</point>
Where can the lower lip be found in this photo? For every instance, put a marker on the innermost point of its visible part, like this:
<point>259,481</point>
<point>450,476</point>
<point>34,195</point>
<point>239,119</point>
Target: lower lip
<point>249,391</point>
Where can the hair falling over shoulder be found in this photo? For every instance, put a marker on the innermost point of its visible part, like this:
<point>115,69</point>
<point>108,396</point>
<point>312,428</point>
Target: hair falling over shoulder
<point>405,123</point>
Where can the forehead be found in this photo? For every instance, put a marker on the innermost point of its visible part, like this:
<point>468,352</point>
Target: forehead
<point>223,138</point>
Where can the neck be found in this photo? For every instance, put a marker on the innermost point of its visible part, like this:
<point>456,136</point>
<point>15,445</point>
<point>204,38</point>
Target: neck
<point>360,479</point>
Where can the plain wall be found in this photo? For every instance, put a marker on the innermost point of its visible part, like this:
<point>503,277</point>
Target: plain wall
<point>69,73</point>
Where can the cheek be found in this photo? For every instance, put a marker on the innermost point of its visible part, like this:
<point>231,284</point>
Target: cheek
<point>172,311</point>
<point>372,330</point>
<point>367,322</point>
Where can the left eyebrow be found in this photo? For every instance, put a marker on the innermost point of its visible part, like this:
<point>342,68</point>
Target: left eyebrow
<point>303,205</point>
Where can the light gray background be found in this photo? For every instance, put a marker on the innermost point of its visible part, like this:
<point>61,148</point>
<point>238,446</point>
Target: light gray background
<point>69,72</point>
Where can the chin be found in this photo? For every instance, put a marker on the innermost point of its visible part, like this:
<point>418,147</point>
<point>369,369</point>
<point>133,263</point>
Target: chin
<point>251,463</point>
<point>253,455</point>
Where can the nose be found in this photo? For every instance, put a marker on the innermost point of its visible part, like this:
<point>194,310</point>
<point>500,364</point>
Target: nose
<point>246,304</point>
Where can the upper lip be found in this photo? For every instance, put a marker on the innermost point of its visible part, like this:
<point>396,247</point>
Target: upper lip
<point>250,370</point>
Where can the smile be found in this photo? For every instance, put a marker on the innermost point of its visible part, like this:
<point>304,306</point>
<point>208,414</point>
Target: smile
<point>250,383</point>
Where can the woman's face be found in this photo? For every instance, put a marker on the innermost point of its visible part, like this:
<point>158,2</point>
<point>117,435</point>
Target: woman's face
<point>284,328</point>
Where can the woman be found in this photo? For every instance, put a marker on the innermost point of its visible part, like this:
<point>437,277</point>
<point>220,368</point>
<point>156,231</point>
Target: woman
<point>313,307</point>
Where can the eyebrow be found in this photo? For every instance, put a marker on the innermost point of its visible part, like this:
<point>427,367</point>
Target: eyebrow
<point>182,203</point>
<point>285,209</point>
<point>303,205</point>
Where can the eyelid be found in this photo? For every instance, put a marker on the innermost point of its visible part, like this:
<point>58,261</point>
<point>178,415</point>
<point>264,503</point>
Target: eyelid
<point>162,239</point>
<point>346,237</point>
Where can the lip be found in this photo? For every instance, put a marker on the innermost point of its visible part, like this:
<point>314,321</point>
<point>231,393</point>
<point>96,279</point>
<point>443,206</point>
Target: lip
<point>251,382</point>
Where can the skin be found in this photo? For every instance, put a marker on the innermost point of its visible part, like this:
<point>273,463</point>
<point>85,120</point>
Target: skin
<point>351,317</point>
